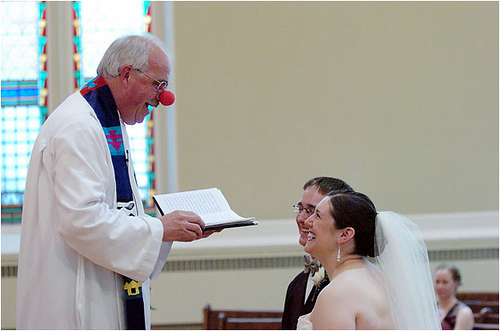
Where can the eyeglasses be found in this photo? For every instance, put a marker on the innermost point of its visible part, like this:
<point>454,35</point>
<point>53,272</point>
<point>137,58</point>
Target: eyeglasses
<point>299,209</point>
<point>160,85</point>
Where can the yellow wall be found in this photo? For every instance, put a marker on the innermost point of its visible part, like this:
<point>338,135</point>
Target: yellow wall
<point>400,99</point>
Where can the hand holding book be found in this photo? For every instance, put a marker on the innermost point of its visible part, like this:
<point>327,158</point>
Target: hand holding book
<point>209,204</point>
<point>182,225</point>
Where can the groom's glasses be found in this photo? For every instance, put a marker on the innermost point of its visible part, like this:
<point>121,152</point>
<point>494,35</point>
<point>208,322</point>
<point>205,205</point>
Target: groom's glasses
<point>299,209</point>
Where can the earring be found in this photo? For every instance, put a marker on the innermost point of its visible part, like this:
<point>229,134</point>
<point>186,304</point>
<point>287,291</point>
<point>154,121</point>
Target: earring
<point>338,254</point>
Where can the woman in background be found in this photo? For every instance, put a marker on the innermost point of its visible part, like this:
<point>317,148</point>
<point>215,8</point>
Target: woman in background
<point>454,314</point>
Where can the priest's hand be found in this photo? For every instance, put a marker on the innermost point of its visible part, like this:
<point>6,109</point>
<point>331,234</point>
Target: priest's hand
<point>183,226</point>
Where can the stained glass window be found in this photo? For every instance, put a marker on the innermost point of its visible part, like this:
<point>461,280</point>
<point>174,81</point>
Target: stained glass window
<point>23,42</point>
<point>24,93</point>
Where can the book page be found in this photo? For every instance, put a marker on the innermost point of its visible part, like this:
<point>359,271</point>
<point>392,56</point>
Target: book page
<point>201,201</point>
<point>227,216</point>
<point>209,204</point>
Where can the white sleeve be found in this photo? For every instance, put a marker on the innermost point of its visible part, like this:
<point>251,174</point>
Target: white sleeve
<point>162,258</point>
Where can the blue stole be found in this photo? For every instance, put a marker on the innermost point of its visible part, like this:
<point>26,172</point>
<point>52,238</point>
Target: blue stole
<point>99,96</point>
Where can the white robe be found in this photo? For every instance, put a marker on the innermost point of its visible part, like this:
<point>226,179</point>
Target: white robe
<point>75,244</point>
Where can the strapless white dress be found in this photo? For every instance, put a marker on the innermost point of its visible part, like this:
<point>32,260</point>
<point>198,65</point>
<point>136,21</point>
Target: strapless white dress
<point>304,323</point>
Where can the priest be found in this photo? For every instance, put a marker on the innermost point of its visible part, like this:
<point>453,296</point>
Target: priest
<point>88,250</point>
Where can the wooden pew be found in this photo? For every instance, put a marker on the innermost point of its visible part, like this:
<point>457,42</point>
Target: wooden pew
<point>236,323</point>
<point>485,326</point>
<point>476,306</point>
<point>220,319</point>
<point>484,305</point>
<point>477,296</point>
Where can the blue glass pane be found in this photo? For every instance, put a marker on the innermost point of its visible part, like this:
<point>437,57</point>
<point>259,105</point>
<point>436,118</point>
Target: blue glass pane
<point>20,119</point>
<point>18,138</point>
<point>19,93</point>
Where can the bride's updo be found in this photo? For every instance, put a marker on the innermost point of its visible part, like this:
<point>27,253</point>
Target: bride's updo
<point>356,210</point>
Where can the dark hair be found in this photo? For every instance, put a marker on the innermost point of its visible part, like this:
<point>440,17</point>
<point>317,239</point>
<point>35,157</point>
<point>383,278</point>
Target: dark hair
<point>326,185</point>
<point>453,269</point>
<point>356,210</point>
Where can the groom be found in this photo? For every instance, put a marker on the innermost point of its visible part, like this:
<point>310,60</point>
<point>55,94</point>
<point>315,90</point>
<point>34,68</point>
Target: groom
<point>302,293</point>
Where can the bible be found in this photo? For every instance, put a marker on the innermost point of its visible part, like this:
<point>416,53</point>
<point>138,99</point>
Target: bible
<point>210,204</point>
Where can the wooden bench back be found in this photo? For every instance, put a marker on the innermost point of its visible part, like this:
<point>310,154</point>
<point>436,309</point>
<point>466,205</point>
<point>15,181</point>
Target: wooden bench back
<point>484,305</point>
<point>220,319</point>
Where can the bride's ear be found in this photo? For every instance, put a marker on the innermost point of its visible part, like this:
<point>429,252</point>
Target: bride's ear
<point>346,235</point>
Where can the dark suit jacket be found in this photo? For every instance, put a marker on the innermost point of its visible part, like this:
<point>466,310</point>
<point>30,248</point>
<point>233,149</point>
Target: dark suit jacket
<point>294,301</point>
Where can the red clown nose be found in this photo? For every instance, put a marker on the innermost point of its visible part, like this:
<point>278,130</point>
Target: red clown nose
<point>167,98</point>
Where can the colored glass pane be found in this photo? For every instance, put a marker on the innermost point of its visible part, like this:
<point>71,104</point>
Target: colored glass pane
<point>21,115</point>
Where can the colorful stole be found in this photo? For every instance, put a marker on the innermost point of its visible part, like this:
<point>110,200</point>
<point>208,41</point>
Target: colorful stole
<point>98,95</point>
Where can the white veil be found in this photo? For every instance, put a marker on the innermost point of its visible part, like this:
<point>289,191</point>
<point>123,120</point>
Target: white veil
<point>402,257</point>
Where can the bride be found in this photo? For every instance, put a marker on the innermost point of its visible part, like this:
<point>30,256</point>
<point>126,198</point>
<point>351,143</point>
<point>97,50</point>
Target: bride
<point>394,293</point>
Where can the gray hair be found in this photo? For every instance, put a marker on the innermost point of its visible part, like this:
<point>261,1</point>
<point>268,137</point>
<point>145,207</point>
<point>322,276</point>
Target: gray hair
<point>130,50</point>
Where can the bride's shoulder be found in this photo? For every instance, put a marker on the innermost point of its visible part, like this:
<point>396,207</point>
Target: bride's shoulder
<point>336,306</point>
<point>347,285</point>
<point>339,287</point>
<point>351,277</point>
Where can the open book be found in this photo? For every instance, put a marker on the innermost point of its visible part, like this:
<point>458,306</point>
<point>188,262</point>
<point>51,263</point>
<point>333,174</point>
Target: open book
<point>210,204</point>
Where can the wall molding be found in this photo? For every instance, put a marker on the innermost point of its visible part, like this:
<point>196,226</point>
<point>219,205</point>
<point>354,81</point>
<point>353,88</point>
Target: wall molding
<point>280,262</point>
<point>273,244</point>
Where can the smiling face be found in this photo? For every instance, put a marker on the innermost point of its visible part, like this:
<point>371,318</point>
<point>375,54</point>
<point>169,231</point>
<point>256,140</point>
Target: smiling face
<point>142,92</point>
<point>444,284</point>
<point>310,199</point>
<point>322,236</point>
